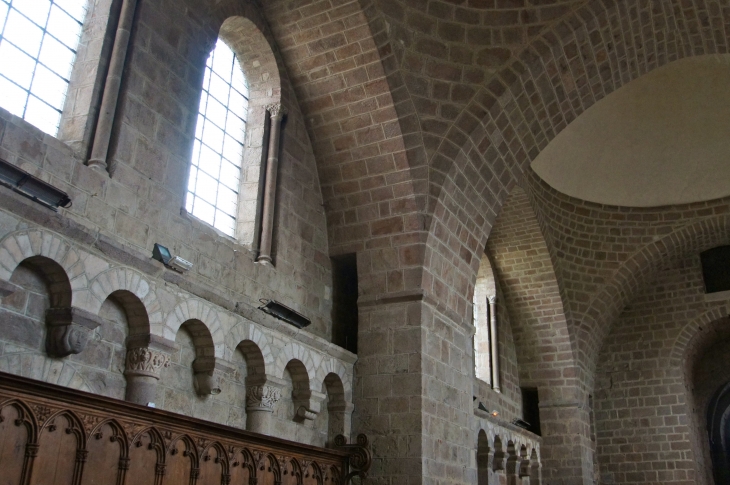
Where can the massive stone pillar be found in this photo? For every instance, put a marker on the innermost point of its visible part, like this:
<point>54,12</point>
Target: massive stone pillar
<point>413,390</point>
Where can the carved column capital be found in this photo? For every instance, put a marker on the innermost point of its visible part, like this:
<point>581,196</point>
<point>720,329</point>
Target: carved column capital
<point>276,110</point>
<point>262,397</point>
<point>146,362</point>
<point>492,299</point>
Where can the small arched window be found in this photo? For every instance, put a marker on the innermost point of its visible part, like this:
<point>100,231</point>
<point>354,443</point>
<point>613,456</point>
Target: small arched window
<point>38,42</point>
<point>215,170</point>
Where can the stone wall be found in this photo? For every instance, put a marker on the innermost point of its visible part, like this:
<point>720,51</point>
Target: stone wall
<point>644,418</point>
<point>127,293</point>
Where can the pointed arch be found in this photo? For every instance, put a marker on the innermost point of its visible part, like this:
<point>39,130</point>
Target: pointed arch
<point>526,273</point>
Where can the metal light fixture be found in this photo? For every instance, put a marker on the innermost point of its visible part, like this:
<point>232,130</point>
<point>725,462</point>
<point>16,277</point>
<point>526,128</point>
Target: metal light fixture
<point>521,423</point>
<point>162,254</point>
<point>282,312</point>
<point>32,187</point>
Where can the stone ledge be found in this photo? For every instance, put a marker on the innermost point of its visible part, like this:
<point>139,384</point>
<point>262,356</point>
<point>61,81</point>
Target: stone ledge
<point>43,216</point>
<point>718,296</point>
<point>391,298</point>
<point>128,256</point>
<point>507,425</point>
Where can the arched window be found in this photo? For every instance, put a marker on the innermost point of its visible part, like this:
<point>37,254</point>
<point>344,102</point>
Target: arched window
<point>215,173</point>
<point>486,351</point>
<point>38,42</point>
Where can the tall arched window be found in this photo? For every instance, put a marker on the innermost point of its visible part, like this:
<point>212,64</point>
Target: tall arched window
<point>218,150</point>
<point>38,42</point>
<point>486,351</point>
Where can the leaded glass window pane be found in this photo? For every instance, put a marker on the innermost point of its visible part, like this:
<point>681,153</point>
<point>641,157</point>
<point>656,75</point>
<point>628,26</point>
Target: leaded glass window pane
<point>38,42</point>
<point>218,148</point>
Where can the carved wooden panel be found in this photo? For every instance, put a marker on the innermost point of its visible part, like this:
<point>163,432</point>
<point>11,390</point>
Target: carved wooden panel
<point>15,434</point>
<point>60,451</point>
<point>241,465</point>
<point>50,435</point>
<point>145,455</point>
<point>107,449</point>
<point>213,465</point>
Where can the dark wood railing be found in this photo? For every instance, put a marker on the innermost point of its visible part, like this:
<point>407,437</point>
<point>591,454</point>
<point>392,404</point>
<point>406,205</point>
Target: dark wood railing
<point>52,435</point>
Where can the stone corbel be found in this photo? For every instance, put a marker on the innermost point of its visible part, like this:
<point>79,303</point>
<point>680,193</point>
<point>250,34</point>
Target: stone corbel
<point>308,403</point>
<point>207,376</point>
<point>69,329</point>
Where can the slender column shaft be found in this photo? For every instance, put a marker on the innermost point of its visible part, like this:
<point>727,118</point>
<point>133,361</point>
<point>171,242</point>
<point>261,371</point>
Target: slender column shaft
<point>102,135</point>
<point>494,354</point>
<point>277,112</point>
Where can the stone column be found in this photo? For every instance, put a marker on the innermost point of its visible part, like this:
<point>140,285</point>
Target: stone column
<point>277,112</point>
<point>110,96</point>
<point>494,341</point>
<point>146,357</point>
<point>262,395</point>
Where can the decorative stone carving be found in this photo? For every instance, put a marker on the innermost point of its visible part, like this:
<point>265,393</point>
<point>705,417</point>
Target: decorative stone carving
<point>146,361</point>
<point>206,380</point>
<point>262,397</point>
<point>147,355</point>
<point>308,403</point>
<point>69,330</point>
<point>276,110</point>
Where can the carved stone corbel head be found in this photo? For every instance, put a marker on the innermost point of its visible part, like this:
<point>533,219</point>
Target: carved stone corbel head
<point>69,329</point>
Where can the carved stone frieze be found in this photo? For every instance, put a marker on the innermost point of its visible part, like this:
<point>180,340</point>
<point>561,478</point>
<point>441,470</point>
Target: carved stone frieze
<point>262,397</point>
<point>146,361</point>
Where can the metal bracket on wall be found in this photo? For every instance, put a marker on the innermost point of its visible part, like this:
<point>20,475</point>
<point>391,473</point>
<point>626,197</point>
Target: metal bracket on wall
<point>360,458</point>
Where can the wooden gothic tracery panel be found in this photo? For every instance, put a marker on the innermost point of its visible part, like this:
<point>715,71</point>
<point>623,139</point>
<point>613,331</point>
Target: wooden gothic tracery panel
<point>107,460</point>
<point>51,435</point>
<point>61,451</point>
<point>18,442</point>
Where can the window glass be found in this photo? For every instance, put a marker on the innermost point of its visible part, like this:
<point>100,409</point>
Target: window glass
<point>38,42</point>
<point>218,148</point>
